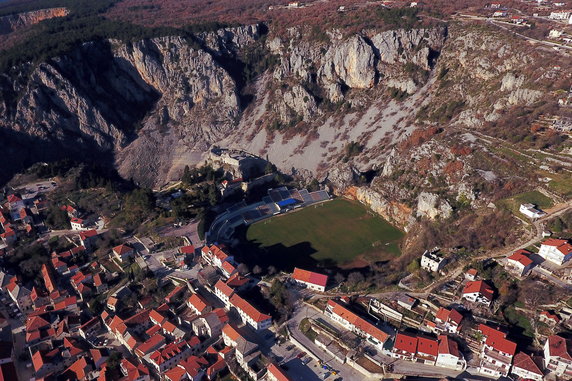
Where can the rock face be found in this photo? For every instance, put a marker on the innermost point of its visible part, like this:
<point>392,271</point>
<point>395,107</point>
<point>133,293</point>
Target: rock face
<point>357,62</point>
<point>393,211</point>
<point>11,23</point>
<point>430,206</point>
<point>142,103</point>
<point>155,105</point>
<point>334,109</point>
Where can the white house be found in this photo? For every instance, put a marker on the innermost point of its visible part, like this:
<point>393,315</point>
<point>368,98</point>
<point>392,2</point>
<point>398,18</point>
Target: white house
<point>520,262</point>
<point>311,280</point>
<point>432,260</point>
<point>276,374</point>
<point>20,295</point>
<point>531,211</point>
<point>560,15</point>
<point>558,356</point>
<point>123,252</point>
<point>524,367</point>
<point>448,320</point>
<point>224,292</point>
<point>557,251</point>
<point>78,223</point>
<point>249,314</point>
<point>478,292</point>
<point>449,355</point>
<point>496,353</point>
<point>355,323</point>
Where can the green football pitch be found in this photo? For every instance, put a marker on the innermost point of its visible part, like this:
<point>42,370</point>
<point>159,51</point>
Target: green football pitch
<point>339,232</point>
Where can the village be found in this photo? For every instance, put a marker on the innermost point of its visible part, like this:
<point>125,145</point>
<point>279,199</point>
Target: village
<point>108,306</point>
<point>192,311</point>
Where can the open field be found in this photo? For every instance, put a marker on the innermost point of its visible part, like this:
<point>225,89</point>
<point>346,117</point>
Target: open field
<point>533,197</point>
<point>336,233</point>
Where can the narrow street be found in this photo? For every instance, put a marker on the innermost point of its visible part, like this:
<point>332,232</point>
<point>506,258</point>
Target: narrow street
<point>349,373</point>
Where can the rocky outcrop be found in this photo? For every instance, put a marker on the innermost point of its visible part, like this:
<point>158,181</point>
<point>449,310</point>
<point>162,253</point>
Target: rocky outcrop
<point>429,205</point>
<point>393,211</point>
<point>144,102</point>
<point>360,61</point>
<point>11,23</point>
<point>351,63</point>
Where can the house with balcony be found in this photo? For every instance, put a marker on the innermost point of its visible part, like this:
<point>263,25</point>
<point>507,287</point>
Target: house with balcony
<point>558,356</point>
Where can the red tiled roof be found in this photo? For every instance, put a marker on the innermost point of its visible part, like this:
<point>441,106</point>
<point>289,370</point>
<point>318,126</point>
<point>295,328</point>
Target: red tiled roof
<point>427,346</point>
<point>38,360</point>
<point>134,371</point>
<point>219,253</point>
<point>153,330</point>
<point>479,286</point>
<point>278,373</point>
<point>175,374</point>
<point>224,288</point>
<point>310,277</point>
<point>175,292</point>
<point>521,256</point>
<point>248,309</point>
<point>198,302</point>
<point>228,267</point>
<point>448,346</point>
<point>87,234</point>
<point>446,315</point>
<point>237,280</point>
<point>358,321</point>
<point>90,323</point>
<point>35,323</point>
<point>69,301</point>
<point>524,361</point>
<point>97,280</point>
<point>139,318</point>
<point>219,365</point>
<point>193,365</point>
<point>490,331</point>
<point>472,272</point>
<point>157,317</point>
<point>405,343</point>
<point>550,316</point>
<point>559,347</point>
<point>122,249</point>
<point>501,344</point>
<point>231,331</point>
<point>190,249</point>
<point>80,368</point>
<point>150,344</point>
<point>163,355</point>
<point>562,245</point>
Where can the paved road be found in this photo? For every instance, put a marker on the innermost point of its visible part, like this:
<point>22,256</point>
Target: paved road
<point>538,229</point>
<point>399,366</point>
<point>344,370</point>
<point>496,23</point>
<point>18,338</point>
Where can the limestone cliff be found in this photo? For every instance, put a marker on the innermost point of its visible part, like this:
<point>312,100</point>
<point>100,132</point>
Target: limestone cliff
<point>11,23</point>
<point>369,109</point>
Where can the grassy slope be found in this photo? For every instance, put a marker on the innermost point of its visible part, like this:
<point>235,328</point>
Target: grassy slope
<point>534,197</point>
<point>339,230</point>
